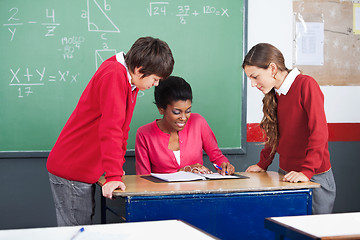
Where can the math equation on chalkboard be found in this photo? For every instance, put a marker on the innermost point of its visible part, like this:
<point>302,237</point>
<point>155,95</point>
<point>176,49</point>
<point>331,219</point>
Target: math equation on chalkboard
<point>61,36</point>
<point>185,11</point>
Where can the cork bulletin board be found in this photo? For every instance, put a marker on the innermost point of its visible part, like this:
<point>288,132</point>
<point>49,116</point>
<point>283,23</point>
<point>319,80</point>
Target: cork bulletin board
<point>341,45</point>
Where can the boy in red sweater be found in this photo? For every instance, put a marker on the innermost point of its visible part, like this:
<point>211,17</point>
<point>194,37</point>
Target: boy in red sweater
<point>94,139</point>
<point>294,122</point>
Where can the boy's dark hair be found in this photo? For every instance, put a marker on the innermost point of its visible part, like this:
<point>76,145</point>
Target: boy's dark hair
<point>172,89</point>
<point>152,55</point>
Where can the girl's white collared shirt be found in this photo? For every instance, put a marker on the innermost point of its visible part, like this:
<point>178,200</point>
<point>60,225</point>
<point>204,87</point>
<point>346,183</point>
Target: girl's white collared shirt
<point>290,78</point>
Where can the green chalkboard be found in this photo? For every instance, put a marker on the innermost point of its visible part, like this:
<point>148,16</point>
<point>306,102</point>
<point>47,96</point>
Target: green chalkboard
<point>50,49</point>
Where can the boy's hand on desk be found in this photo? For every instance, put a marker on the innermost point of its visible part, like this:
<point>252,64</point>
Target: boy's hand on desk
<point>295,177</point>
<point>254,168</point>
<point>109,187</point>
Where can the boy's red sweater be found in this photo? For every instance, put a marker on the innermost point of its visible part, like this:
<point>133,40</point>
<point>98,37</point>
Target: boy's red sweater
<point>94,138</point>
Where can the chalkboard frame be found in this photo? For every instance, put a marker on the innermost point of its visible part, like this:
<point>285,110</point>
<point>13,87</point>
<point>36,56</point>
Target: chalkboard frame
<point>131,153</point>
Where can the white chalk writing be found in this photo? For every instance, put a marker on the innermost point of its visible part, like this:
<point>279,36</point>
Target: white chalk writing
<point>26,78</point>
<point>14,22</point>
<point>185,11</point>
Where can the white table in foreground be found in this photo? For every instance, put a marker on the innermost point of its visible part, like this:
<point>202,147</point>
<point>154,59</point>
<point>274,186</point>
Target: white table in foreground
<point>160,230</point>
<point>323,226</point>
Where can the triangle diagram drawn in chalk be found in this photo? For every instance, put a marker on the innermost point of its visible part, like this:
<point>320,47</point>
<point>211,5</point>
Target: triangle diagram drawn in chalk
<point>98,20</point>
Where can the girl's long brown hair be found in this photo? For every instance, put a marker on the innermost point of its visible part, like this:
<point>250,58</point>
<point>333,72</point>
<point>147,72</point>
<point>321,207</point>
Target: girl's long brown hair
<point>261,55</point>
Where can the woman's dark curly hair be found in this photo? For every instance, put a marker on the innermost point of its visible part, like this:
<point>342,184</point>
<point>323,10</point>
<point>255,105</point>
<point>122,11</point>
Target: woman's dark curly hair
<point>170,90</point>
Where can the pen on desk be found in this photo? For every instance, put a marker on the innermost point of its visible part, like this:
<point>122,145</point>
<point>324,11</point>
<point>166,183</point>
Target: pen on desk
<point>77,233</point>
<point>216,166</point>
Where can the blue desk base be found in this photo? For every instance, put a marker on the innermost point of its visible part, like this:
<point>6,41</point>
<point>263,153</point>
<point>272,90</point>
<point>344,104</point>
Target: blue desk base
<point>226,216</point>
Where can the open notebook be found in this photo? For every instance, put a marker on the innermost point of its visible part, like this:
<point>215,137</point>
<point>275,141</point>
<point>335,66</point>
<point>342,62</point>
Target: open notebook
<point>182,176</point>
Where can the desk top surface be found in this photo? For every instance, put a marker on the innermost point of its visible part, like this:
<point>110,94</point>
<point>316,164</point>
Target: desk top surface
<point>323,226</point>
<point>142,185</point>
<point>160,230</point>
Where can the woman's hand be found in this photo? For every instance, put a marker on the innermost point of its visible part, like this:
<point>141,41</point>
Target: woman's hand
<point>195,168</point>
<point>295,177</point>
<point>254,168</point>
<point>226,168</point>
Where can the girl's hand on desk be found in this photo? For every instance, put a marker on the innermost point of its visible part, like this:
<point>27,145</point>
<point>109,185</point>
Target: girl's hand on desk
<point>195,168</point>
<point>227,168</point>
<point>254,168</point>
<point>109,187</point>
<point>295,177</point>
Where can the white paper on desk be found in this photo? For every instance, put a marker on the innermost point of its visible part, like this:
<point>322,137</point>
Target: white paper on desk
<point>217,176</point>
<point>180,176</point>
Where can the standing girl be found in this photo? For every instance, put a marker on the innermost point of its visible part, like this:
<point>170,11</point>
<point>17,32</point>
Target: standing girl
<point>294,123</point>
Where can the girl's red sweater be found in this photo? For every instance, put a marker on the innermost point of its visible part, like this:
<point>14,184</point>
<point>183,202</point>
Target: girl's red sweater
<point>303,142</point>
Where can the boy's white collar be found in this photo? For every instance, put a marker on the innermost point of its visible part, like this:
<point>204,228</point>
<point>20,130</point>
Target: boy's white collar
<point>120,58</point>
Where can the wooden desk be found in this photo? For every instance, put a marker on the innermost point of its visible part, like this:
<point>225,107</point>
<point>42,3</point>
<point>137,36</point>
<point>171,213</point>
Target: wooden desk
<point>325,226</point>
<point>160,230</point>
<point>231,208</point>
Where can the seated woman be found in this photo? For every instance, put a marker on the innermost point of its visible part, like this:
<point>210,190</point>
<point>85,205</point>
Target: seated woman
<point>176,142</point>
